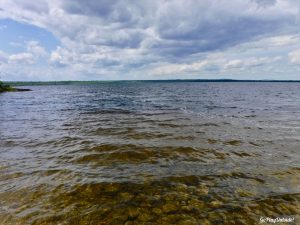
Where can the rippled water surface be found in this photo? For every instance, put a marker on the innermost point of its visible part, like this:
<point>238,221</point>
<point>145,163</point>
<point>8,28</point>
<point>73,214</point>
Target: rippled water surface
<point>150,153</point>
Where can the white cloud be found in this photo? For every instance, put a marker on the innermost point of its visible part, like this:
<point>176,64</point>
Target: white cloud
<point>60,57</point>
<point>23,57</point>
<point>295,57</point>
<point>36,49</point>
<point>283,40</point>
<point>179,68</point>
<point>236,63</point>
<point>250,62</point>
<point>33,53</point>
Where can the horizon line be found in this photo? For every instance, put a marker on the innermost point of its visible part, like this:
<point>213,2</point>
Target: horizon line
<point>162,80</point>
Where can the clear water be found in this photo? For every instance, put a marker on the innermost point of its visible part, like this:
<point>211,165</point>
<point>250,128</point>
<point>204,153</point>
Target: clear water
<point>150,153</point>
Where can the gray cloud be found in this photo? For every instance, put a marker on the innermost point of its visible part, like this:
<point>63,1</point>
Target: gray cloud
<point>89,7</point>
<point>208,26</point>
<point>35,6</point>
<point>266,2</point>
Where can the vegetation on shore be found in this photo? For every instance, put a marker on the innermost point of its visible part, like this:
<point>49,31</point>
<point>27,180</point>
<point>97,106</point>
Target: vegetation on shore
<point>5,87</point>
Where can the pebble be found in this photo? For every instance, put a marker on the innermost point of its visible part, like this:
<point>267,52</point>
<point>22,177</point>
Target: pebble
<point>133,212</point>
<point>169,208</point>
<point>205,222</point>
<point>126,196</point>
<point>187,208</point>
<point>157,211</point>
<point>181,187</point>
<point>215,204</point>
<point>144,216</point>
<point>202,190</point>
<point>244,193</point>
<point>194,203</point>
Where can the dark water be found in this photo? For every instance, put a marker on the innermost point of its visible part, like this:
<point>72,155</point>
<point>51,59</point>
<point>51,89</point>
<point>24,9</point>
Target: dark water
<point>150,153</point>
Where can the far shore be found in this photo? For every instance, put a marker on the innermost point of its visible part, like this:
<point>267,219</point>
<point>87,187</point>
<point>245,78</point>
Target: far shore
<point>8,88</point>
<point>94,82</point>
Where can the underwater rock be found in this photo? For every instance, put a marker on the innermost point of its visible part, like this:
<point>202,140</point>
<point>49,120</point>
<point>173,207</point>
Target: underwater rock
<point>125,196</point>
<point>169,207</point>
<point>112,187</point>
<point>188,222</point>
<point>205,222</point>
<point>145,216</point>
<point>171,196</point>
<point>194,203</point>
<point>181,188</point>
<point>187,208</point>
<point>243,193</point>
<point>182,196</point>
<point>216,204</point>
<point>202,190</point>
<point>157,211</point>
<point>133,212</point>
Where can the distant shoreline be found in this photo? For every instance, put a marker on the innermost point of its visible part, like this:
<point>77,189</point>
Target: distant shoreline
<point>41,83</point>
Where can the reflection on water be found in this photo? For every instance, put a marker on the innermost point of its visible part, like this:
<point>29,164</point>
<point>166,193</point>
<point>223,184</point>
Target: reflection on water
<point>150,153</point>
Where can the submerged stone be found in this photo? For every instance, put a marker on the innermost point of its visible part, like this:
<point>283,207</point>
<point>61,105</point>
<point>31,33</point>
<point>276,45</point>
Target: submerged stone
<point>188,222</point>
<point>243,193</point>
<point>126,196</point>
<point>157,211</point>
<point>216,204</point>
<point>169,207</point>
<point>194,203</point>
<point>205,222</point>
<point>133,212</point>
<point>145,216</point>
<point>202,190</point>
<point>181,187</point>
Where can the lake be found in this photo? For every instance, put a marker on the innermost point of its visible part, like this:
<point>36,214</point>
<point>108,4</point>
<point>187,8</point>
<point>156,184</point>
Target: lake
<point>150,153</point>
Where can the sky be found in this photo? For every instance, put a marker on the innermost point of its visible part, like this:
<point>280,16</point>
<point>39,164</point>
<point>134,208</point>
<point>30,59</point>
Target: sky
<point>149,39</point>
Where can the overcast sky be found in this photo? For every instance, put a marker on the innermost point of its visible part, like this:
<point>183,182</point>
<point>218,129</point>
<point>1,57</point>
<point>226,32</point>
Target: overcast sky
<point>149,39</point>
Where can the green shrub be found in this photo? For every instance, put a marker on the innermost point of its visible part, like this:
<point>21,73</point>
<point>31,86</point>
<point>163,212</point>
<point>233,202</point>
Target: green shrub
<point>5,87</point>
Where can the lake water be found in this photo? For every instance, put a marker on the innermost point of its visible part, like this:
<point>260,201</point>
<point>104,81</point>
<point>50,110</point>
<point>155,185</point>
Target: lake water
<point>150,153</point>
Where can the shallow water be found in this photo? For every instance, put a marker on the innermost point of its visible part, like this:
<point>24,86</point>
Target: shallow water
<point>150,153</point>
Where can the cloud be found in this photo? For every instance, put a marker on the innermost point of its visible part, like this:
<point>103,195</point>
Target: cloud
<point>265,3</point>
<point>295,57</point>
<point>179,68</point>
<point>214,64</point>
<point>60,57</point>
<point>23,57</point>
<point>36,49</point>
<point>283,40</point>
<point>219,25</point>
<point>40,7</point>
<point>177,24</point>
<point>174,36</point>
<point>244,64</point>
<point>32,54</point>
<point>101,8</point>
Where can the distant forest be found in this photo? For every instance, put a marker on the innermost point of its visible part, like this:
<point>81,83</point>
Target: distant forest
<point>39,83</point>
